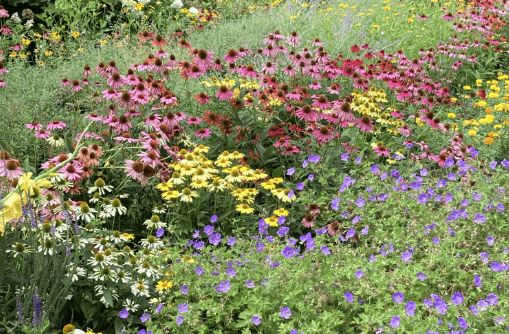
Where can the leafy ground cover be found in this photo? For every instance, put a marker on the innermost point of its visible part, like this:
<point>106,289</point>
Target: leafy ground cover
<point>300,167</point>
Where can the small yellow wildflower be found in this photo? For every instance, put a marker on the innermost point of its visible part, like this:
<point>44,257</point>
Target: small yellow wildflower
<point>472,132</point>
<point>164,285</point>
<point>451,115</point>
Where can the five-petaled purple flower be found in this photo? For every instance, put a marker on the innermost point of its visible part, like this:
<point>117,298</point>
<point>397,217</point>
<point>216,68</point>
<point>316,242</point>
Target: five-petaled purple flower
<point>285,313</point>
<point>256,320</point>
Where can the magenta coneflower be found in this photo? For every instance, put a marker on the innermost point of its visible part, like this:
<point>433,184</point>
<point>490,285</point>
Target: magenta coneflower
<point>150,158</point>
<point>85,81</point>
<point>132,80</point>
<point>196,72</point>
<point>292,149</point>
<point>288,70</point>
<point>282,142</point>
<point>308,220</point>
<point>116,81</point>
<point>294,95</point>
<point>293,40</point>
<point>134,169</point>
<point>381,151</point>
<point>269,68</point>
<point>12,169</point>
<point>139,89</point>
<point>202,133</point>
<point>141,98</point>
<point>321,102</point>
<point>307,113</point>
<point>194,120</point>
<point>126,137</point>
<point>3,83</point>
<point>315,85</point>
<point>94,117</point>
<point>448,16</point>
<point>364,124</point>
<point>125,101</point>
<point>56,124</point>
<point>133,113</point>
<point>161,53</point>
<point>33,126</point>
<point>16,47</point>
<point>224,93</point>
<point>76,86</point>
<point>269,51</point>
<point>405,130</point>
<point>153,120</point>
<point>87,71</point>
<point>110,93</point>
<point>204,59</point>
<point>249,71</point>
<point>72,171</point>
<point>169,99</point>
<point>3,12</point>
<point>145,35</point>
<point>231,57</point>
<point>111,68</point>
<point>3,70</point>
<point>316,42</point>
<point>5,30</point>
<point>202,98</point>
<point>65,82</point>
<point>324,134</point>
<point>334,88</point>
<point>159,41</point>
<point>123,124</point>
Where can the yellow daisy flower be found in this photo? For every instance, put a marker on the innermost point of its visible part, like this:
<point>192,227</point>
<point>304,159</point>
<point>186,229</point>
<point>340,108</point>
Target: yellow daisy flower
<point>199,183</point>
<point>281,212</point>
<point>223,162</point>
<point>245,208</point>
<point>217,185</point>
<point>268,185</point>
<point>187,195</point>
<point>164,285</point>
<point>272,221</point>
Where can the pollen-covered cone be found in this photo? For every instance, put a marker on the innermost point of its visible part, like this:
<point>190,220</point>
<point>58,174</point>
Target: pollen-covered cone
<point>11,210</point>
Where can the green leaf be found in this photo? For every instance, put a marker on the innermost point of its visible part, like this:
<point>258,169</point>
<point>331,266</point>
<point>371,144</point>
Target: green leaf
<point>108,296</point>
<point>278,171</point>
<point>118,325</point>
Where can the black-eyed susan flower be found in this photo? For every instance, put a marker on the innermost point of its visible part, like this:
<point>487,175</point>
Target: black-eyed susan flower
<point>281,212</point>
<point>245,208</point>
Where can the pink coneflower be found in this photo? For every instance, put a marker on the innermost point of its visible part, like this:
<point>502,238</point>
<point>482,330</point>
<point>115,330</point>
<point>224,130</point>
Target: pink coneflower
<point>94,117</point>
<point>72,171</point>
<point>293,40</point>
<point>65,82</point>
<point>132,80</point>
<point>364,124</point>
<point>123,124</point>
<point>134,169</point>
<point>195,72</point>
<point>315,85</point>
<point>334,88</point>
<point>16,47</point>
<point>116,80</point>
<point>217,65</point>
<point>169,99</point>
<point>5,30</point>
<point>282,142</point>
<point>3,70</point>
<point>381,151</point>
<point>193,120</point>
<point>202,133</point>
<point>307,113</point>
<point>249,71</point>
<point>87,71</point>
<point>56,124</point>
<point>308,220</point>
<point>316,42</point>
<point>12,169</point>
<point>448,16</point>
<point>159,41</point>
<point>422,17</point>
<point>150,158</point>
<point>110,93</point>
<point>85,81</point>
<point>161,53</point>
<point>111,68</point>
<point>139,89</point>
<point>269,51</point>
<point>3,12</point>
<point>33,126</point>
<point>42,134</point>
<point>141,98</point>
<point>126,137</point>
<point>292,149</point>
<point>269,68</point>
<point>324,134</point>
<point>204,59</point>
<point>202,98</point>
<point>231,57</point>
<point>125,101</point>
<point>76,86</point>
<point>224,93</point>
<point>153,120</point>
<point>321,102</point>
<point>405,130</point>
<point>133,113</point>
<point>3,83</point>
<point>294,95</point>
<point>352,149</point>
<point>145,35</point>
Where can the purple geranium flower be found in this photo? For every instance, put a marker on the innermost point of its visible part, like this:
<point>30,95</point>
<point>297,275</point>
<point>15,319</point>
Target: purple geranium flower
<point>375,169</point>
<point>184,289</point>
<point>198,271</point>
<point>462,322</point>
<point>325,250</point>
<point>180,320</point>
<point>395,321</point>
<point>256,320</point>
<point>159,308</point>
<point>290,171</point>
<point>421,276</point>
<point>183,308</point>
<point>215,238</point>
<point>231,241</point>
<point>145,317</point>
<point>457,298</point>
<point>208,229</point>
<point>410,308</point>
<point>289,252</point>
<point>160,232</point>
<point>398,297</point>
<point>249,284</point>
<point>213,219</point>
<point>359,274</point>
<point>285,313</point>
<point>123,314</point>
<point>348,297</point>
<point>406,256</point>
<point>230,272</point>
